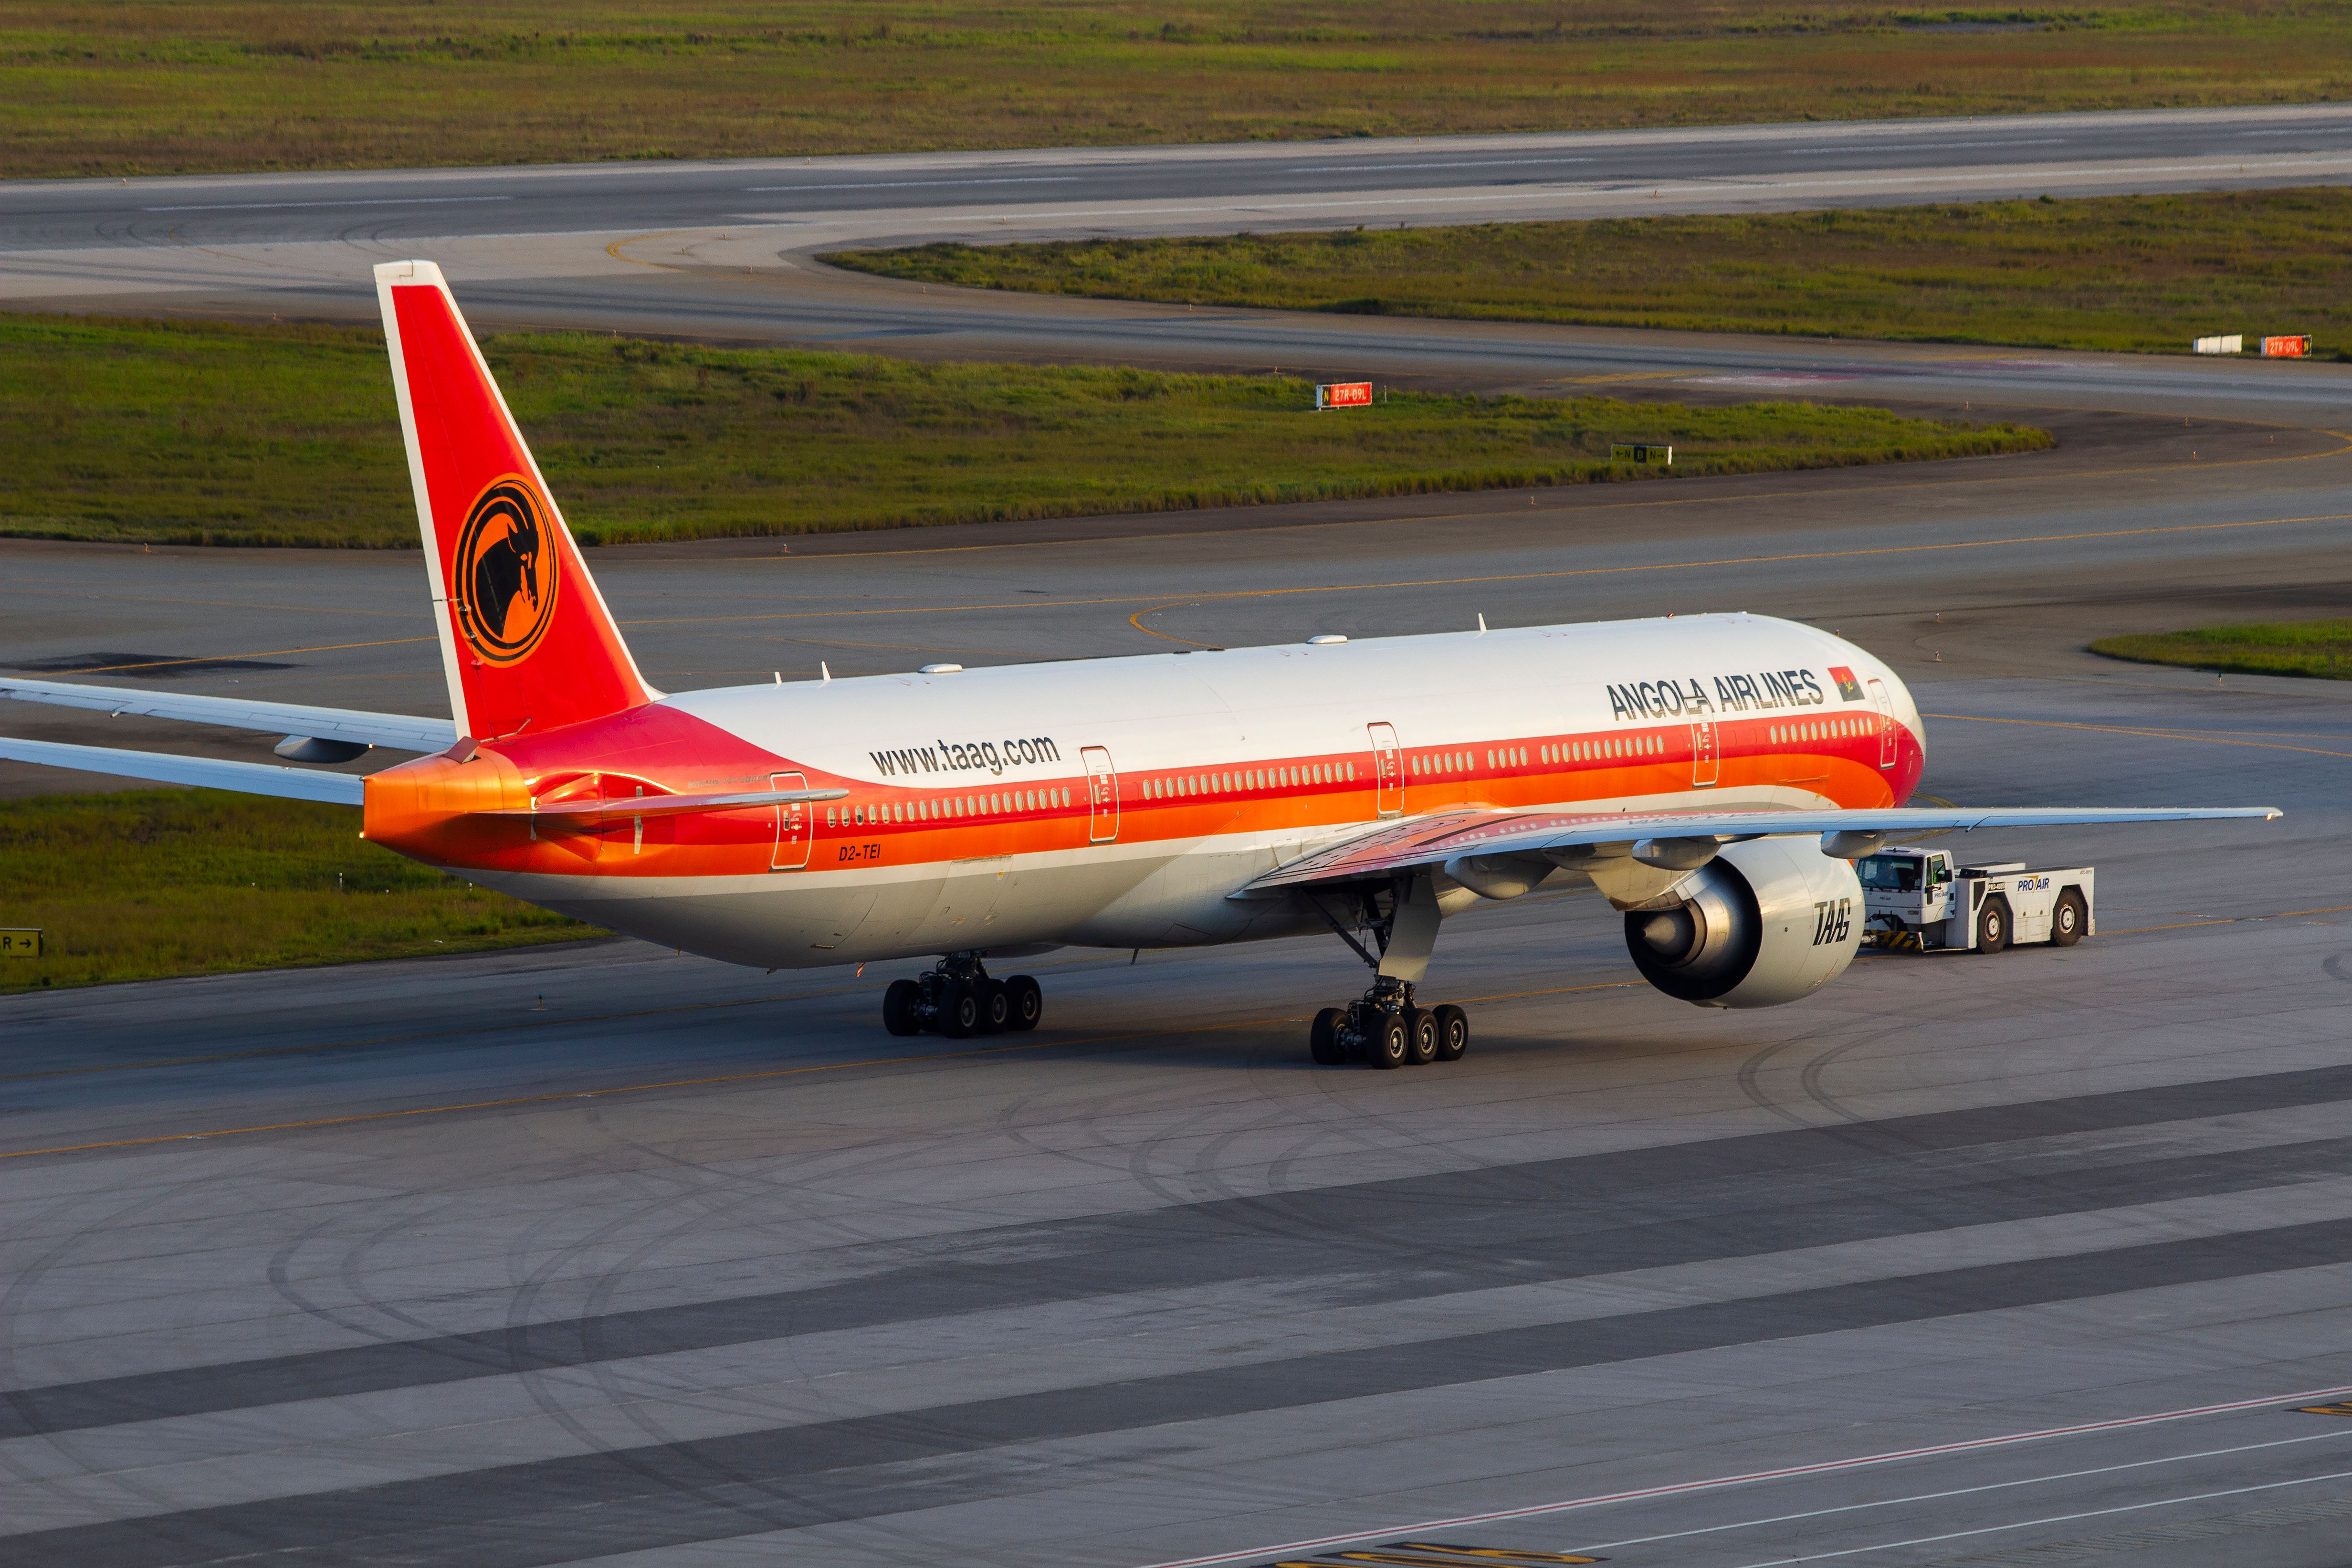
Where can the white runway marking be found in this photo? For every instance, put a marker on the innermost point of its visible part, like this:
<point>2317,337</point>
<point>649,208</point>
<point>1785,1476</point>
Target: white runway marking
<point>1439,163</point>
<point>1968,1491</point>
<point>1717,1483</point>
<point>1917,142</point>
<point>2053,1518</point>
<point>900,184</point>
<point>287,207</point>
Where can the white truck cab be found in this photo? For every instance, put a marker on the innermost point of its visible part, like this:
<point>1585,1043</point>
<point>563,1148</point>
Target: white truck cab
<point>1921,900</point>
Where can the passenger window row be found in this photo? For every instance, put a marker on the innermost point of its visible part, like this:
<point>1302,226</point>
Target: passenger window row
<point>901,813</point>
<point>1247,781</point>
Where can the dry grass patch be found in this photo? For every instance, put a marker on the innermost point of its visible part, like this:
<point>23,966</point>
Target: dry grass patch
<point>2138,273</point>
<point>151,883</point>
<point>232,434</point>
<point>2321,649</point>
<point>148,86</point>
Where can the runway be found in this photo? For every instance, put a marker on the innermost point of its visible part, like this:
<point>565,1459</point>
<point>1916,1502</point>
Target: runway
<point>609,1253</point>
<point>721,250</point>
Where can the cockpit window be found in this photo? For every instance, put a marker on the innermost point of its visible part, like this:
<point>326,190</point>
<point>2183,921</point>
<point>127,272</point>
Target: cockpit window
<point>1889,873</point>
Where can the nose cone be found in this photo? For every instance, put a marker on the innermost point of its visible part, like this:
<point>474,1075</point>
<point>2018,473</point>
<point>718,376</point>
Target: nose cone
<point>1670,934</point>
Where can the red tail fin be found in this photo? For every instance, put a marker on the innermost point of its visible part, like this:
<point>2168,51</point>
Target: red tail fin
<point>525,638</point>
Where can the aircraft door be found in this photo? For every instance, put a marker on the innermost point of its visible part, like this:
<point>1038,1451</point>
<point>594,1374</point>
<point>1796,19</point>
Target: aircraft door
<point>1102,794</point>
<point>793,826</point>
<point>1388,770</point>
<point>1705,764</point>
<point>1886,725</point>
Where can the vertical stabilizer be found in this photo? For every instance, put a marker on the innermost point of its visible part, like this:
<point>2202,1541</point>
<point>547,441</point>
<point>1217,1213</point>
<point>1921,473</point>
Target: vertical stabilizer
<point>526,640</point>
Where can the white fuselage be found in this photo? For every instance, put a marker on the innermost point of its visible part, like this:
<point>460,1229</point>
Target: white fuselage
<point>967,825</point>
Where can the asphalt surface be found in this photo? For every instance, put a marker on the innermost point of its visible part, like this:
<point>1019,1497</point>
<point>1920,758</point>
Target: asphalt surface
<point>602,1253</point>
<point>2285,143</point>
<point>722,251</point>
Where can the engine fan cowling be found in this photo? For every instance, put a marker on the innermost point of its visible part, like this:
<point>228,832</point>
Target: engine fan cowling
<point>1764,922</point>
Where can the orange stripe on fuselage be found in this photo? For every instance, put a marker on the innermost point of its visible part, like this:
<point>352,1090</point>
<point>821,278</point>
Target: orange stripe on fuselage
<point>424,808</point>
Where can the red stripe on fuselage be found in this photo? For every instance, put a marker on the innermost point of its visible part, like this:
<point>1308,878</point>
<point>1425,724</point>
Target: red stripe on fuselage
<point>662,751</point>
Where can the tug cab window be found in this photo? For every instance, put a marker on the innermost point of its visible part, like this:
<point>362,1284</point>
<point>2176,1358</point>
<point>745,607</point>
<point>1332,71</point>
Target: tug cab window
<point>1889,873</point>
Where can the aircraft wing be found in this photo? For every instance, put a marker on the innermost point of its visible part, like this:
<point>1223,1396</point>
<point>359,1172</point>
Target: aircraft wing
<point>206,773</point>
<point>346,789</point>
<point>396,730</point>
<point>1434,840</point>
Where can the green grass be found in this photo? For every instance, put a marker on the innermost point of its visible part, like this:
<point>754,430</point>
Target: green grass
<point>139,885</point>
<point>174,85</point>
<point>2138,273</point>
<point>230,434</point>
<point>2322,649</point>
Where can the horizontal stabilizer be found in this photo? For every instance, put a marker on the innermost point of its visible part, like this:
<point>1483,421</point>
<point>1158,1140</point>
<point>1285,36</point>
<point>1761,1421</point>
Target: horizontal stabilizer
<point>1433,840</point>
<point>664,805</point>
<point>203,773</point>
<point>396,730</point>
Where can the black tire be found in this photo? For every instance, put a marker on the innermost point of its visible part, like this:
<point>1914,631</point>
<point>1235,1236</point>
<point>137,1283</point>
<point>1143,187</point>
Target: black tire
<point>1323,1043</point>
<point>959,1011</point>
<point>1453,1032</point>
<point>1420,1037</point>
<point>1388,1042</point>
<point>898,1000</point>
<point>2069,919</point>
<point>1026,1001</point>
<point>995,1008</point>
<point>1993,925</point>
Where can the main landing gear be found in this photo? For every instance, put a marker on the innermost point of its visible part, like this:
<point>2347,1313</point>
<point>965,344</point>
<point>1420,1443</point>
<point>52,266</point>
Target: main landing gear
<point>959,1000</point>
<point>1386,1027</point>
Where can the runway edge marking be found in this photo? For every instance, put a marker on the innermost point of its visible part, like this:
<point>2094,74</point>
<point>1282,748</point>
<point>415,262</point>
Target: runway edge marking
<point>1751,1478</point>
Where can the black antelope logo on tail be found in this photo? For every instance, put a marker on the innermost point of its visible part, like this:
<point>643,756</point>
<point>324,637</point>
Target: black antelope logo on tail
<point>503,577</point>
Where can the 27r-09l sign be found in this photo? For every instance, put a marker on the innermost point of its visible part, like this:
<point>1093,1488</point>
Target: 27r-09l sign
<point>1344,394</point>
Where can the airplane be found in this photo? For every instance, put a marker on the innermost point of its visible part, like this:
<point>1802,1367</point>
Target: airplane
<point>1714,776</point>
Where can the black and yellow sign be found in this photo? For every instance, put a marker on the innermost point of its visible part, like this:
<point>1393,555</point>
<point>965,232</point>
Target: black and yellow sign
<point>503,576</point>
<point>20,944</point>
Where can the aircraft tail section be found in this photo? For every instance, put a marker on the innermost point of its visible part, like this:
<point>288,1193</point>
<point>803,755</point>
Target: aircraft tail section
<point>526,640</point>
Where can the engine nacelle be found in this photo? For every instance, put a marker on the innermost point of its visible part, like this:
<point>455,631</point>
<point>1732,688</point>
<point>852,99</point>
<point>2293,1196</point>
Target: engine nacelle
<point>1764,922</point>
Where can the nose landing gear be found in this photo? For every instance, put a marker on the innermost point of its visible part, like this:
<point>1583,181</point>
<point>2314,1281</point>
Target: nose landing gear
<point>1386,1027</point>
<point>959,1000</point>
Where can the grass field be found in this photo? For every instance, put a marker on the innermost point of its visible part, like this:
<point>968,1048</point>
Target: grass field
<point>2142,273</point>
<point>134,886</point>
<point>2317,648</point>
<point>214,433</point>
<point>174,85</point>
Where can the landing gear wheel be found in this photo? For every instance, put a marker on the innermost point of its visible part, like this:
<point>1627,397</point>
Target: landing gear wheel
<point>1453,1031</point>
<point>899,1007</point>
<point>1024,1002</point>
<point>959,1012</point>
<point>1420,1037</point>
<point>995,1008</point>
<point>1387,1043</point>
<point>1323,1041</point>
<point>2067,919</point>
<point>1992,925</point>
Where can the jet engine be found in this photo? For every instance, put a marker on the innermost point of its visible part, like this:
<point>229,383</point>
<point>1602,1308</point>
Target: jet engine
<point>1763,922</point>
